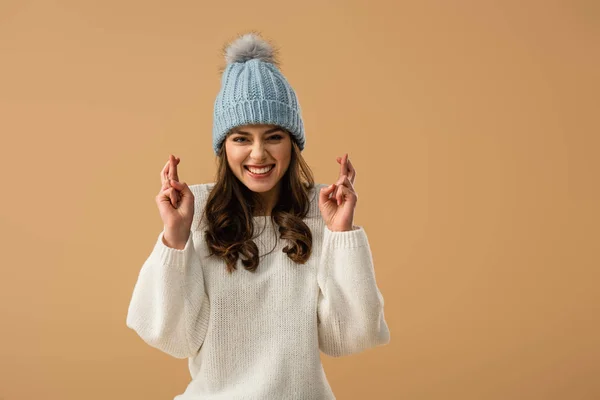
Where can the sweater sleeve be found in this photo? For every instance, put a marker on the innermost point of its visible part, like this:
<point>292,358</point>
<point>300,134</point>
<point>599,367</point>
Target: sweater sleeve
<point>169,308</point>
<point>350,307</point>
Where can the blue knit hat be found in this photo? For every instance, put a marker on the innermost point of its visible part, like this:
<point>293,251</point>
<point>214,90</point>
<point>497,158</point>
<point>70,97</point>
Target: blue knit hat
<point>254,91</point>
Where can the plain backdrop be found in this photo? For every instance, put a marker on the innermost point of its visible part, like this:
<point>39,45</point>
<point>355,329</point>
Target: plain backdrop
<point>473,127</point>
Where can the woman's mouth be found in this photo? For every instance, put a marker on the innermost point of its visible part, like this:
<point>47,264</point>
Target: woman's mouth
<point>260,172</point>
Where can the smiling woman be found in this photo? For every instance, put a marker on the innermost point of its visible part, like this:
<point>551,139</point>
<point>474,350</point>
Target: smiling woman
<point>261,168</point>
<point>251,309</point>
<point>259,156</point>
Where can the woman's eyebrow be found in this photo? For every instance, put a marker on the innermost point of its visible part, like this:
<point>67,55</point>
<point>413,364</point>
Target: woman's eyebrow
<point>249,134</point>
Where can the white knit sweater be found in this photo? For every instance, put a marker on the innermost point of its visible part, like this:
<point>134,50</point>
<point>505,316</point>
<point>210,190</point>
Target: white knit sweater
<point>258,335</point>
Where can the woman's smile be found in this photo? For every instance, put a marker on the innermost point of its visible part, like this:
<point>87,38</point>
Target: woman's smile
<point>260,173</point>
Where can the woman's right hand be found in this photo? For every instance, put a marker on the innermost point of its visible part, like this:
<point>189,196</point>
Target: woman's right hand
<point>175,203</point>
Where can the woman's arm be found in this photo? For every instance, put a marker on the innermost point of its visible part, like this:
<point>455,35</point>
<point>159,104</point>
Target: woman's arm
<point>169,308</point>
<point>350,306</point>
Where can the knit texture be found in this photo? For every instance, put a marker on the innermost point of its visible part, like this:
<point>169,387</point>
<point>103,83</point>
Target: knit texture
<point>257,336</point>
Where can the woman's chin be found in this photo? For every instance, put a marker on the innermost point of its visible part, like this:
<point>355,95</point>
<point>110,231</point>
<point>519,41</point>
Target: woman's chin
<point>259,186</point>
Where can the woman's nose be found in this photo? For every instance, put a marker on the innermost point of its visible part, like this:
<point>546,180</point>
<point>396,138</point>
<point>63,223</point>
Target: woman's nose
<point>258,150</point>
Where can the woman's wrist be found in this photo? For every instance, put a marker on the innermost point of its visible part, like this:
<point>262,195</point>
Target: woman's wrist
<point>175,240</point>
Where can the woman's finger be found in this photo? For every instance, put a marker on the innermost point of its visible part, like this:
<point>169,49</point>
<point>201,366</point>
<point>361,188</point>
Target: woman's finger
<point>343,165</point>
<point>347,193</point>
<point>349,184</point>
<point>340,194</point>
<point>338,185</point>
<point>165,184</point>
<point>179,187</point>
<point>166,192</point>
<point>351,172</point>
<point>347,187</point>
<point>171,193</point>
<point>174,197</point>
<point>345,181</point>
<point>325,192</point>
<point>173,168</point>
<point>163,173</point>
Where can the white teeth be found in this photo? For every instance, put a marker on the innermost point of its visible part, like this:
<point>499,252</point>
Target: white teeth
<point>261,170</point>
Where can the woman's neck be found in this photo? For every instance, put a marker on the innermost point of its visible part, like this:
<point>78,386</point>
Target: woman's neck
<point>269,200</point>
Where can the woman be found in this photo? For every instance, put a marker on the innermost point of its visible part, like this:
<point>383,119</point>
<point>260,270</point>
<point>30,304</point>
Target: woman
<point>255,273</point>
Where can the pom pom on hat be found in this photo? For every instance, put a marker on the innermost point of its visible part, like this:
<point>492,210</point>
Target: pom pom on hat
<point>248,47</point>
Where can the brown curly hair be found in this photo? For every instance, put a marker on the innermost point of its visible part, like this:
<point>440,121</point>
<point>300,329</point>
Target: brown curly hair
<point>230,207</point>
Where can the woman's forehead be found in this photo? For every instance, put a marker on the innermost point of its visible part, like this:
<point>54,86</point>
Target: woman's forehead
<point>256,129</point>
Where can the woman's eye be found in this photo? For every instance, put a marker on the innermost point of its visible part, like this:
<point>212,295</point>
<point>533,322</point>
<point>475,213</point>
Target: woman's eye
<point>274,137</point>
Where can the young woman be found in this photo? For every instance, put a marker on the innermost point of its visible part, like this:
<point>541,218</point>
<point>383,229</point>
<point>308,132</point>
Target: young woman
<point>255,273</point>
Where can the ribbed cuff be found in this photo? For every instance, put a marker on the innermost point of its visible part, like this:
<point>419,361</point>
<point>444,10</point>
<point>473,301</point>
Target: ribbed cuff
<point>357,237</point>
<point>170,256</point>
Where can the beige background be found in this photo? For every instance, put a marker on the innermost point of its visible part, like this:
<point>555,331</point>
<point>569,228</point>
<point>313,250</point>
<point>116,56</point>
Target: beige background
<point>473,126</point>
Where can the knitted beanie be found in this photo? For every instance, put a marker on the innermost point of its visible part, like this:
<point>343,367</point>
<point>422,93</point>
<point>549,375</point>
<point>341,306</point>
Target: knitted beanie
<point>254,91</point>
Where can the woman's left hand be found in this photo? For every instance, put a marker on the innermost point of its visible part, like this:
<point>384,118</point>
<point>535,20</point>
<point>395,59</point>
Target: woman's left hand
<point>338,210</point>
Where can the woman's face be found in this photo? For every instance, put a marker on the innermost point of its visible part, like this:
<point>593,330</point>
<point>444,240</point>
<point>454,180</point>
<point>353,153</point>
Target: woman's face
<point>261,146</point>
